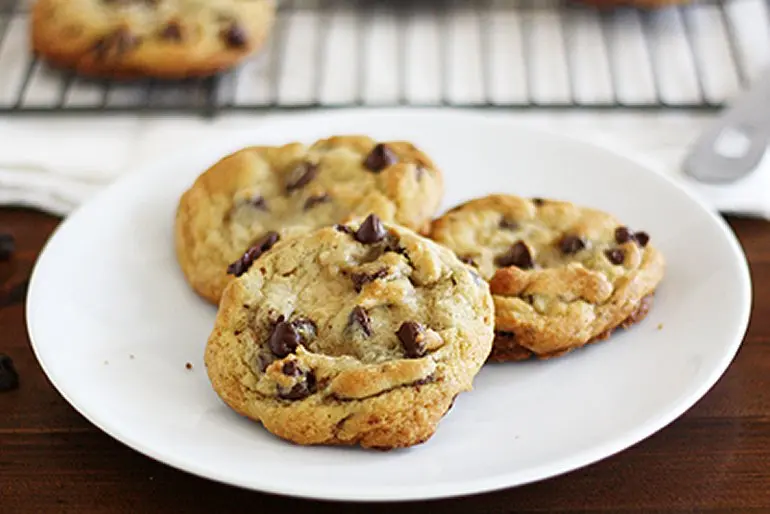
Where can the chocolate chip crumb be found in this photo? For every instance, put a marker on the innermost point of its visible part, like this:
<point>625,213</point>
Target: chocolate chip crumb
<point>623,235</point>
<point>571,244</point>
<point>284,338</point>
<point>344,229</point>
<point>518,255</point>
<point>371,230</point>
<point>507,224</point>
<point>412,337</point>
<point>9,378</point>
<point>188,365</point>
<point>7,246</point>
<point>361,279</point>
<point>315,200</point>
<point>380,158</point>
<point>616,256</point>
<point>235,36</point>
<point>262,245</point>
<point>300,176</point>
<point>360,317</point>
<point>642,238</point>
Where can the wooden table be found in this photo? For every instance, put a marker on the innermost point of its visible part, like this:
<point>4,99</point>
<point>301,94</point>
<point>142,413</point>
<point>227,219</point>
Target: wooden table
<point>716,456</point>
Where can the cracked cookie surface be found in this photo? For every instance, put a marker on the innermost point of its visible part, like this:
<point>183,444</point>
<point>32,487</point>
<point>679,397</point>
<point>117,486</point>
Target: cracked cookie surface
<point>355,334</point>
<point>561,275</point>
<point>167,39</point>
<point>291,190</point>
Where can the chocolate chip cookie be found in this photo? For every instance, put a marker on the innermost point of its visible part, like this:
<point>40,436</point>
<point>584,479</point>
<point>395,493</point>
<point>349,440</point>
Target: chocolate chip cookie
<point>166,39</point>
<point>251,199</point>
<point>361,333</point>
<point>561,275</point>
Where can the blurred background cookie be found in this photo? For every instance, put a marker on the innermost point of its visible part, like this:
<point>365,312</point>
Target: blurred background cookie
<point>167,39</point>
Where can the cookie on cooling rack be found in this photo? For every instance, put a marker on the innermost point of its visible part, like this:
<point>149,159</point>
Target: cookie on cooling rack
<point>355,334</point>
<point>561,275</point>
<point>263,194</point>
<point>167,39</point>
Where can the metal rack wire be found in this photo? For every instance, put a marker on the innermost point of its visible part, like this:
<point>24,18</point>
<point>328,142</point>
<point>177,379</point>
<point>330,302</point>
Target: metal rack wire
<point>464,53</point>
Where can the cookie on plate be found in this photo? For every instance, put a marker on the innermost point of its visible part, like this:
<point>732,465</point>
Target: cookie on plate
<point>561,275</point>
<point>266,193</point>
<point>355,334</point>
<point>167,39</point>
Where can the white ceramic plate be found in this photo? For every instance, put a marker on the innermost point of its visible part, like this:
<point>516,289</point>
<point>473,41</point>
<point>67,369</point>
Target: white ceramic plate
<point>113,324</point>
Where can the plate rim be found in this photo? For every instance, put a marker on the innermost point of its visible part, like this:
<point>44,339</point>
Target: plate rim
<point>576,461</point>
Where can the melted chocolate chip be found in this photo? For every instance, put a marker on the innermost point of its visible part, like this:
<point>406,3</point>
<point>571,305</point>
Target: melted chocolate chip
<point>623,235</point>
<point>300,176</point>
<point>262,245</point>
<point>119,42</point>
<point>360,317</point>
<point>171,32</point>
<point>7,246</point>
<point>9,378</point>
<point>616,256</point>
<point>302,389</point>
<point>290,369</point>
<point>284,339</point>
<point>642,238</point>
<point>412,337</point>
<point>315,200</point>
<point>371,230</point>
<point>518,255</point>
<point>507,224</point>
<point>380,158</point>
<point>306,329</point>
<point>539,202</point>
<point>234,36</point>
<point>571,244</point>
<point>361,279</point>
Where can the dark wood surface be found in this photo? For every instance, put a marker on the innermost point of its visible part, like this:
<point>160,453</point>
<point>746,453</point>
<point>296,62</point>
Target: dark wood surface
<point>715,457</point>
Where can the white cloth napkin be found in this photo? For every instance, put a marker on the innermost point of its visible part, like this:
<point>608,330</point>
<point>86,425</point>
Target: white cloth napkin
<point>55,165</point>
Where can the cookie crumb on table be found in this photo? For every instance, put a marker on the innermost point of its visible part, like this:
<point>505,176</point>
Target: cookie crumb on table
<point>188,365</point>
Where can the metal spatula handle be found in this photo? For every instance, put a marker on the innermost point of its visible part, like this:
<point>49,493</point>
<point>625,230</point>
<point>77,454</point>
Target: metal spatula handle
<point>733,147</point>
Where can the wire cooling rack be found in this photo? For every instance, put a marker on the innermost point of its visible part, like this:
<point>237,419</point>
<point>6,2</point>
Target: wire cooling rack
<point>464,53</point>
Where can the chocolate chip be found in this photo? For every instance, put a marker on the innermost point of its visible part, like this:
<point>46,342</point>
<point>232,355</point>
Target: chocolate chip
<point>315,200</point>
<point>290,369</point>
<point>171,32</point>
<point>642,238</point>
<point>119,42</point>
<point>262,245</point>
<point>7,246</point>
<point>306,329</point>
<point>258,202</point>
<point>504,337</point>
<point>360,317</point>
<point>361,279</point>
<point>9,378</point>
<point>380,158</point>
<point>518,255</point>
<point>235,36</point>
<point>507,224</point>
<point>284,339</point>
<point>344,229</point>
<point>300,176</point>
<point>539,202</point>
<point>616,256</point>
<point>467,259</point>
<point>302,389</point>
<point>412,337</point>
<point>371,230</point>
<point>571,244</point>
<point>623,235</point>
